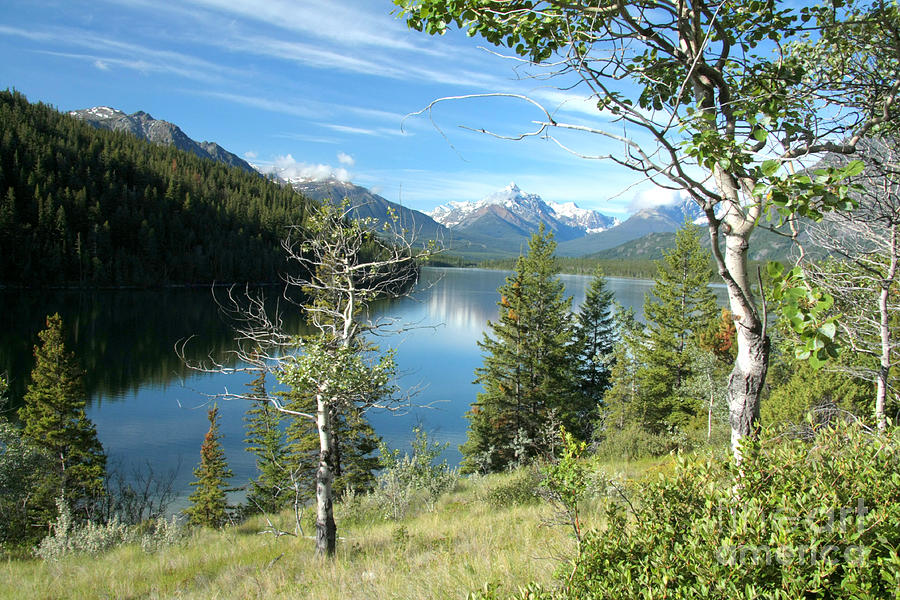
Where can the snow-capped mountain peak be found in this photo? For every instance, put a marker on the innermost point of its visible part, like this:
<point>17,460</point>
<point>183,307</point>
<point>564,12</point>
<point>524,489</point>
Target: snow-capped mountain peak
<point>99,112</point>
<point>525,211</point>
<point>584,218</point>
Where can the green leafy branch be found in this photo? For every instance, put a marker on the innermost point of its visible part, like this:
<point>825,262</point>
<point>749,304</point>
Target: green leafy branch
<point>808,194</point>
<point>806,309</point>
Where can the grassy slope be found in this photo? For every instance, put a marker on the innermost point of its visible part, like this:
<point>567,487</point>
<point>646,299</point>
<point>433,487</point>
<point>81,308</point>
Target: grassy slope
<point>465,542</point>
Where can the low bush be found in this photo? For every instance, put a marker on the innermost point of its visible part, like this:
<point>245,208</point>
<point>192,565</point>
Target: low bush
<point>517,488</point>
<point>815,518</point>
<point>407,477</point>
<point>633,442</point>
<point>68,538</point>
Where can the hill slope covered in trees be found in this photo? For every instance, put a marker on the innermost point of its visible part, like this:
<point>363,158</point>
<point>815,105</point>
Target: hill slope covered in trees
<point>82,206</point>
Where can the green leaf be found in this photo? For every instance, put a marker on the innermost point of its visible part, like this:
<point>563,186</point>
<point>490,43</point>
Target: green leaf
<point>854,168</point>
<point>770,167</point>
<point>775,269</point>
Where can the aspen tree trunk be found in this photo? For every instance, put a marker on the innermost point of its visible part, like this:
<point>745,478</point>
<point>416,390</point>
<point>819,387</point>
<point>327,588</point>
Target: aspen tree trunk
<point>885,367</point>
<point>884,327</point>
<point>745,383</point>
<point>326,530</point>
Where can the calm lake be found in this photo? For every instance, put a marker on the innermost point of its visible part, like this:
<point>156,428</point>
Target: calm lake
<point>150,409</point>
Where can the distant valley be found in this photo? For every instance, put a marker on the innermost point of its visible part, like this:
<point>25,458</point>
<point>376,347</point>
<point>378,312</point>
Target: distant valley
<point>497,226</point>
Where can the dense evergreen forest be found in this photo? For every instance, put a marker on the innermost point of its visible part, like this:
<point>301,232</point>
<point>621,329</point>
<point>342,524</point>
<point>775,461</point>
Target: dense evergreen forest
<point>637,268</point>
<point>85,207</point>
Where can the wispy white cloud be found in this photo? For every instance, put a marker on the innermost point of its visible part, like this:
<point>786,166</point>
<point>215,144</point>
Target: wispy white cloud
<point>310,55</point>
<point>345,159</point>
<point>277,106</point>
<point>106,63</point>
<point>312,109</point>
<point>555,100</point>
<point>303,137</point>
<point>398,66</point>
<point>37,36</point>
<point>120,53</point>
<point>352,130</point>
<point>653,197</point>
<point>341,23</point>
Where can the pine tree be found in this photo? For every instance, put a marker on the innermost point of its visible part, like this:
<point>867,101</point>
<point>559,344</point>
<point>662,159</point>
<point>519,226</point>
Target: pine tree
<point>620,402</point>
<point>527,372</point>
<point>208,502</point>
<point>54,421</point>
<point>595,337</point>
<point>678,309</point>
<point>270,491</point>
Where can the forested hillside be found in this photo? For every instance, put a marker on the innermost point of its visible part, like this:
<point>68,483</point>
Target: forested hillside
<point>82,206</point>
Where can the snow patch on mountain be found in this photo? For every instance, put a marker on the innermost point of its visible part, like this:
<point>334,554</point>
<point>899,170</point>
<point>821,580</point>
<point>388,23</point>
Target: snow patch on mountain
<point>530,207</point>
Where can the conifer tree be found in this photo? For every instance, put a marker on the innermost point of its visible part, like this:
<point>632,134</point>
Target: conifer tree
<point>620,406</point>
<point>54,421</point>
<point>527,372</point>
<point>208,502</point>
<point>270,491</point>
<point>678,309</point>
<point>595,337</point>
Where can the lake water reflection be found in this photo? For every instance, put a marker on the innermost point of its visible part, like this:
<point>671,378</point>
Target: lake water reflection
<point>150,409</point>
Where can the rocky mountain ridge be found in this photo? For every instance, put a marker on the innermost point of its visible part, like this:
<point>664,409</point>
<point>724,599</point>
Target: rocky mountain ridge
<point>144,126</point>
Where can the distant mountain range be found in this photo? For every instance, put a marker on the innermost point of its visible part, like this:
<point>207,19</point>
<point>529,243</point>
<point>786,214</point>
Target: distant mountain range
<point>766,246</point>
<point>153,130</point>
<point>497,226</point>
<point>666,218</point>
<point>511,212</point>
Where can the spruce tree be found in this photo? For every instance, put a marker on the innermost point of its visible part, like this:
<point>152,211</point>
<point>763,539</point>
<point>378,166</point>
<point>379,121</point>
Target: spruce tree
<point>595,337</point>
<point>54,420</point>
<point>678,309</point>
<point>270,491</point>
<point>620,402</point>
<point>208,502</point>
<point>527,372</point>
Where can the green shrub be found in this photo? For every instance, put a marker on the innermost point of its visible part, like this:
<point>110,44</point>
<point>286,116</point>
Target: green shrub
<point>407,477</point>
<point>634,442</point>
<point>518,488</point>
<point>161,533</point>
<point>88,538</point>
<point>815,518</point>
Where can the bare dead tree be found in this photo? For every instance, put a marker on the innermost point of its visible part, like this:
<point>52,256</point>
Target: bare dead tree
<point>719,99</point>
<point>862,270</point>
<point>341,265</point>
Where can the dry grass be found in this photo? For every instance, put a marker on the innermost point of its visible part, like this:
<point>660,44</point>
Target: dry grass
<point>470,538</point>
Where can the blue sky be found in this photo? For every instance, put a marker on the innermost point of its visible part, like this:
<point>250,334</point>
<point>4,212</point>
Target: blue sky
<point>318,87</point>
